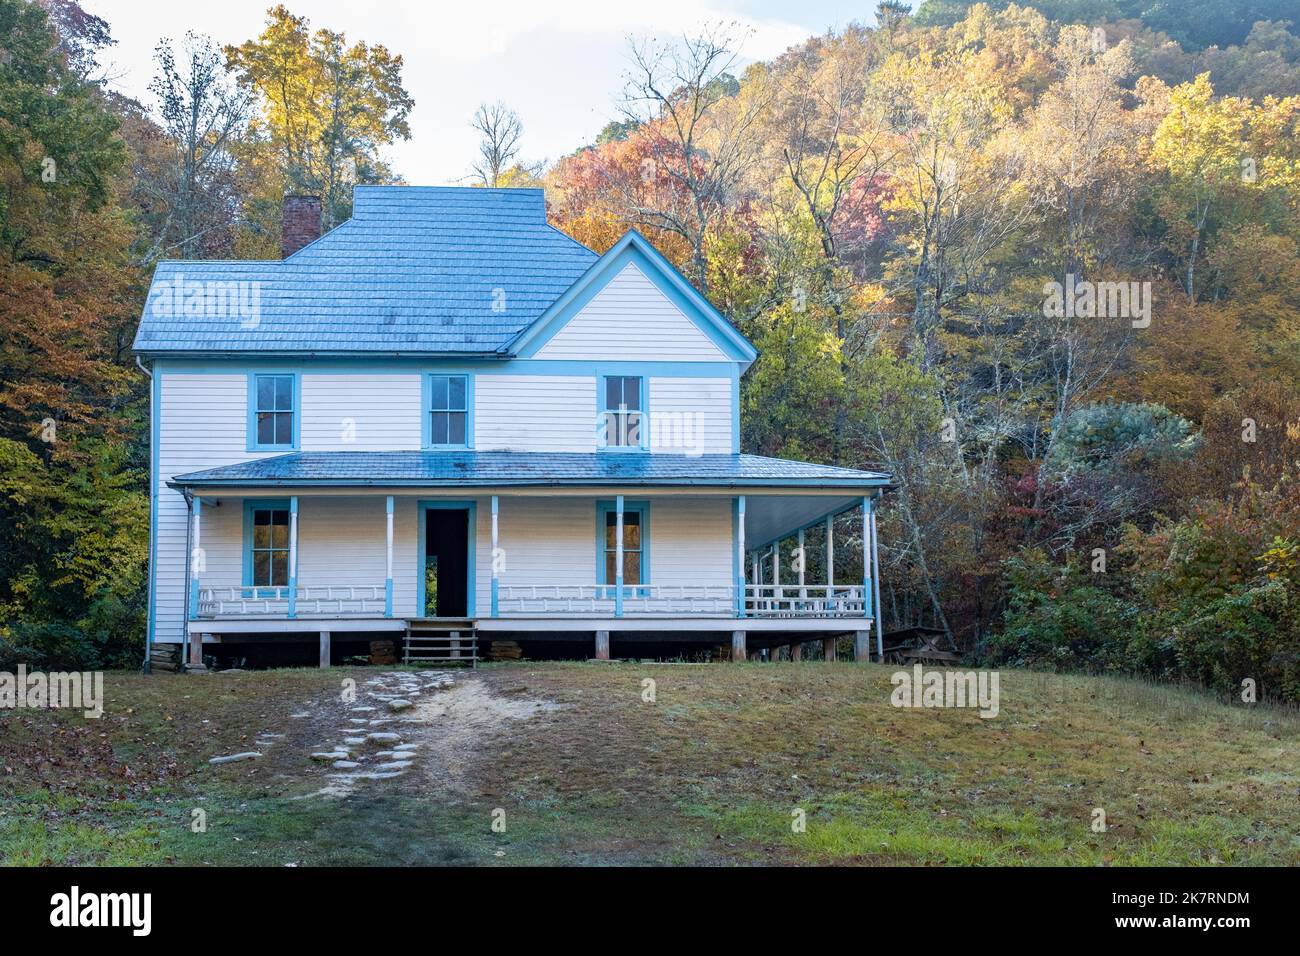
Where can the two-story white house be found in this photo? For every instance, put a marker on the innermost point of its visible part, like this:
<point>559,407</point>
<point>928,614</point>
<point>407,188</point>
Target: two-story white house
<point>446,419</point>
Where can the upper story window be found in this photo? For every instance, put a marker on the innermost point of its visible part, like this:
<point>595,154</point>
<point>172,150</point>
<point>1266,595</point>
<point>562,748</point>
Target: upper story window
<point>447,411</point>
<point>623,413</point>
<point>273,398</point>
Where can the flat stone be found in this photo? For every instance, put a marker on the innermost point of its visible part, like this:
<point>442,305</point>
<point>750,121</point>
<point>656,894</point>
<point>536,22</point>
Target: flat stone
<point>354,741</point>
<point>381,776</point>
<point>356,720</point>
<point>383,738</point>
<point>333,755</point>
<point>346,765</point>
<point>395,765</point>
<point>234,758</point>
<point>360,710</point>
<point>406,746</point>
<point>399,705</point>
<point>299,716</point>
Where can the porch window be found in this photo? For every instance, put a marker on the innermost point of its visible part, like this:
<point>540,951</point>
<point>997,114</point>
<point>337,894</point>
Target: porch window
<point>636,558</point>
<point>447,419</point>
<point>273,401</point>
<point>622,413</point>
<point>267,558</point>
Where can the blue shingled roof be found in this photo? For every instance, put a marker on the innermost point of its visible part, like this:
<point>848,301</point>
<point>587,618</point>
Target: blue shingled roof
<point>415,270</point>
<point>491,468</point>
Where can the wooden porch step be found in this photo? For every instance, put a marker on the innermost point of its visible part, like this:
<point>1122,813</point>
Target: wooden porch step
<point>440,641</point>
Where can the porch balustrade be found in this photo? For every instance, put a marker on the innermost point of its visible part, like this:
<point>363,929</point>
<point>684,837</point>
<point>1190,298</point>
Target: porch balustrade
<point>324,601</point>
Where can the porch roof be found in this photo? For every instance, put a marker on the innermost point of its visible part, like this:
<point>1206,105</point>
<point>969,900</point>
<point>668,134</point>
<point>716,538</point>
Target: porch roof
<point>536,469</point>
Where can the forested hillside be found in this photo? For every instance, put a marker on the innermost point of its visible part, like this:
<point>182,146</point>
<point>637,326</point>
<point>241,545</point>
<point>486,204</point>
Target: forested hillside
<point>1038,261</point>
<point>895,216</point>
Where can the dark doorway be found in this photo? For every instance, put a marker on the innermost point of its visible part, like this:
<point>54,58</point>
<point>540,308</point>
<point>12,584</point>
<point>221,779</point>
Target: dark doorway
<point>446,562</point>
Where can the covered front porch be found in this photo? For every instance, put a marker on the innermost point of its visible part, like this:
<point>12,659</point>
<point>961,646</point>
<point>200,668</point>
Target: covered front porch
<point>297,556</point>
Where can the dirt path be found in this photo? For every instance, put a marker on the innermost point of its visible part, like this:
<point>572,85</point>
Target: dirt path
<point>458,727</point>
<point>423,731</point>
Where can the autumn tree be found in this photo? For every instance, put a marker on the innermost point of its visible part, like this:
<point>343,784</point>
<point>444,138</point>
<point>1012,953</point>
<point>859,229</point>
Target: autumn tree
<point>682,96</point>
<point>327,108</point>
<point>500,130</point>
<point>72,509</point>
<point>202,112</point>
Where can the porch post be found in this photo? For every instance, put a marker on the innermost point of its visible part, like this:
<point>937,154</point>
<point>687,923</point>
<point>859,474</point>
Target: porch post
<point>778,593</point>
<point>866,557</point>
<point>293,556</point>
<point>830,554</point>
<point>196,506</point>
<point>875,561</point>
<point>776,570</point>
<point>803,561</point>
<point>618,557</point>
<point>388,556</point>
<point>602,645</point>
<point>496,574</point>
<point>740,556</point>
<point>324,648</point>
<point>738,646</point>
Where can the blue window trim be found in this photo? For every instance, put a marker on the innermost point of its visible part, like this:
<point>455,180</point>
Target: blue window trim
<point>253,444</point>
<point>250,504</point>
<point>643,435</point>
<point>604,507</point>
<point>426,397</point>
<point>422,508</point>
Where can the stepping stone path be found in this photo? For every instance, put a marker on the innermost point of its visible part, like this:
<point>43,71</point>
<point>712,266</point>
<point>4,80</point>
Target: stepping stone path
<point>367,752</point>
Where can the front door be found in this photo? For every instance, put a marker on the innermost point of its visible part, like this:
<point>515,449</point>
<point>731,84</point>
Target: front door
<point>446,562</point>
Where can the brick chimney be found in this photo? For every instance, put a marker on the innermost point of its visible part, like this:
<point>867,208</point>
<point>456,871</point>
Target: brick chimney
<point>300,223</point>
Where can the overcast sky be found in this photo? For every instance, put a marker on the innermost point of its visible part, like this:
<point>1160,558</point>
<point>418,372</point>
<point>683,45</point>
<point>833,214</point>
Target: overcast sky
<point>558,63</point>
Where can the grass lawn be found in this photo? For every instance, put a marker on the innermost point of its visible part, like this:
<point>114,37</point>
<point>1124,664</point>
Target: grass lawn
<point>715,770</point>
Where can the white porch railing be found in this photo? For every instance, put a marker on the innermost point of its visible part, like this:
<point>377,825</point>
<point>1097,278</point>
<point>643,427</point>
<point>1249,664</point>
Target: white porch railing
<point>804,600</point>
<point>543,600</point>
<point>323,601</point>
<point>761,600</point>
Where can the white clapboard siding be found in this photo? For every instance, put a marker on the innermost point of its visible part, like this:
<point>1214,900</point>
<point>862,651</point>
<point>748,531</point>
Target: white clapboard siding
<point>690,416</point>
<point>346,412</point>
<point>203,423</point>
<point>535,413</point>
<point>690,541</point>
<point>630,319</point>
<point>547,541</point>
